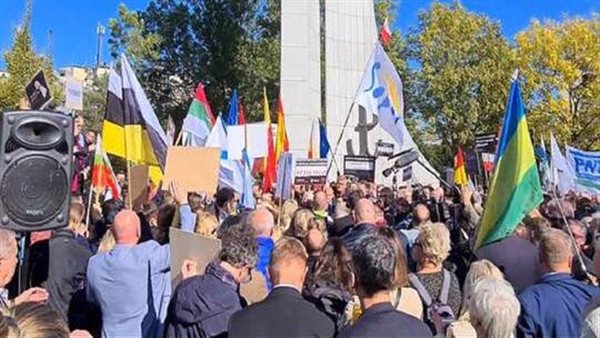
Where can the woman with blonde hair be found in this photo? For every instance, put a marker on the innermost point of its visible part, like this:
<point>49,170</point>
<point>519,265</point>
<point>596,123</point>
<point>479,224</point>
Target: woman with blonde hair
<point>302,222</point>
<point>432,281</point>
<point>32,320</point>
<point>479,269</point>
<point>288,209</point>
<point>206,224</point>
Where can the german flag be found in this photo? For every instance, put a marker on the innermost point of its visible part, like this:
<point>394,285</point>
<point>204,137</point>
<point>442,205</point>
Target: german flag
<point>131,130</point>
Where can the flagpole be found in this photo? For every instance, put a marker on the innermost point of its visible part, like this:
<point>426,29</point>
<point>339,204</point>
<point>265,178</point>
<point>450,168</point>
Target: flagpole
<point>89,207</point>
<point>564,218</point>
<point>350,110</point>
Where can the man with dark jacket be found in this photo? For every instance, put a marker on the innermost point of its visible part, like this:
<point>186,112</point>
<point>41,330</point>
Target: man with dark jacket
<point>516,257</point>
<point>201,306</point>
<point>553,306</point>
<point>364,223</point>
<point>374,262</point>
<point>284,313</point>
<point>66,273</point>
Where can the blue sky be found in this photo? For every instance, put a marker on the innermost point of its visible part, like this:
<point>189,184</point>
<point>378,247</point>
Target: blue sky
<point>73,22</point>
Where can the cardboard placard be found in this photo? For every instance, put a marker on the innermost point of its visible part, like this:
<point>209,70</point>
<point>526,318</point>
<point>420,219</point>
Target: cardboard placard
<point>187,245</point>
<point>140,185</point>
<point>38,92</point>
<point>196,169</point>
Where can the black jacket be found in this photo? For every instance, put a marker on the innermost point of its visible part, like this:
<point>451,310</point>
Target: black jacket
<point>329,299</point>
<point>284,313</point>
<point>67,265</point>
<point>202,305</point>
<point>382,320</point>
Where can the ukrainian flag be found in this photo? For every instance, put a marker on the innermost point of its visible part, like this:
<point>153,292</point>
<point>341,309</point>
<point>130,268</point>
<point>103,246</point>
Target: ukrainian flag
<point>515,187</point>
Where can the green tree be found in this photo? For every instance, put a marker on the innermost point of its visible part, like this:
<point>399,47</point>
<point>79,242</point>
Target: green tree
<point>128,35</point>
<point>224,44</point>
<point>94,101</point>
<point>560,65</point>
<point>22,63</point>
<point>462,73</point>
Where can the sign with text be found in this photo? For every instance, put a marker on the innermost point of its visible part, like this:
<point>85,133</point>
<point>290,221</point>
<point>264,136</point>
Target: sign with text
<point>310,171</point>
<point>586,168</point>
<point>363,167</point>
<point>486,143</point>
<point>38,92</point>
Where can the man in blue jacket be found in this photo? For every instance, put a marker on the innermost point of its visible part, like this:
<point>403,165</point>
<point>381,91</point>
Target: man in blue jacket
<point>553,306</point>
<point>262,222</point>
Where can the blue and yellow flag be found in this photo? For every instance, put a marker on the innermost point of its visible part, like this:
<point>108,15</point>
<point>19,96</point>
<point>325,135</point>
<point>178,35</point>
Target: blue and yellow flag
<point>515,187</point>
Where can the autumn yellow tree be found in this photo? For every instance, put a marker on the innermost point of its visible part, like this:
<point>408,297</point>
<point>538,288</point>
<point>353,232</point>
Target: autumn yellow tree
<point>560,65</point>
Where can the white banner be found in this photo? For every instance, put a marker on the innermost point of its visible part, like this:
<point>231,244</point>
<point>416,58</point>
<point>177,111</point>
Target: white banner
<point>586,169</point>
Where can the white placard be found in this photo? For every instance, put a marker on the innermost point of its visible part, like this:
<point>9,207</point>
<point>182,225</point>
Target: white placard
<point>255,134</point>
<point>74,94</point>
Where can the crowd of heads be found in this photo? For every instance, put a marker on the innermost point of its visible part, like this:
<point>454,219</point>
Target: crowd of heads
<point>410,230</point>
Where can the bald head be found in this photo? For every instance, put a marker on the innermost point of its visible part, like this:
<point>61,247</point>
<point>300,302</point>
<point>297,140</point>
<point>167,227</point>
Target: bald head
<point>262,222</point>
<point>364,212</point>
<point>421,213</point>
<point>126,228</point>
<point>315,241</point>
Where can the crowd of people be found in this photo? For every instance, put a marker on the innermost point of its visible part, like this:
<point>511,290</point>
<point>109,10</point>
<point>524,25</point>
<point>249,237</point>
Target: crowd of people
<point>348,259</point>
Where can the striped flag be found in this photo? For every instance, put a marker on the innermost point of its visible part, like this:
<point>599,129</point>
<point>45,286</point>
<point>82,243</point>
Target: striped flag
<point>269,169</point>
<point>103,176</point>
<point>311,151</point>
<point>199,119</point>
<point>131,129</point>
<point>460,172</point>
<point>385,34</point>
<point>515,187</point>
<point>282,145</point>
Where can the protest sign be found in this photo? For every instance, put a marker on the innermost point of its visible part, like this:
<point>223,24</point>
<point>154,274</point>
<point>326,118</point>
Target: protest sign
<point>187,245</point>
<point>73,94</point>
<point>252,136</point>
<point>363,167</point>
<point>586,168</point>
<point>310,171</point>
<point>283,188</point>
<point>196,169</point>
<point>486,143</point>
<point>385,149</point>
<point>140,185</point>
<point>38,92</point>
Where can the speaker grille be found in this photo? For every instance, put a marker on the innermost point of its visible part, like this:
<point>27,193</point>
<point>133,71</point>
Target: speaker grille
<point>33,190</point>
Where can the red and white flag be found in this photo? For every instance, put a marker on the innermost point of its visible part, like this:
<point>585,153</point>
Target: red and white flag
<point>385,34</point>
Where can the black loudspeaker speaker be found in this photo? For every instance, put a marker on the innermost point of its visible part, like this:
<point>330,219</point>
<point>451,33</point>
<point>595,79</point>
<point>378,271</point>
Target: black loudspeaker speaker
<point>36,152</point>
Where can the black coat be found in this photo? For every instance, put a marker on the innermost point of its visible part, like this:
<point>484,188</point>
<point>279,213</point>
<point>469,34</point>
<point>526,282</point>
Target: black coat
<point>67,265</point>
<point>284,313</point>
<point>382,320</point>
